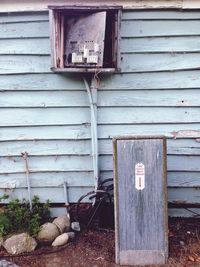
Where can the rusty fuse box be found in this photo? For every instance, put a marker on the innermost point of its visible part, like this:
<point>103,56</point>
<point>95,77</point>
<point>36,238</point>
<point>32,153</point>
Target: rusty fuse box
<point>84,38</point>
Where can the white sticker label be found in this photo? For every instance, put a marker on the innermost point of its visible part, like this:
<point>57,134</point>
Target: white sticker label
<point>139,176</point>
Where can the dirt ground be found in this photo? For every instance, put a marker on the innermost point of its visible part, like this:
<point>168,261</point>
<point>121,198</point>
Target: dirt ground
<point>95,248</point>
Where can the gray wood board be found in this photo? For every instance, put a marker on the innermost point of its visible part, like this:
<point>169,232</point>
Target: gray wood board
<point>141,214</point>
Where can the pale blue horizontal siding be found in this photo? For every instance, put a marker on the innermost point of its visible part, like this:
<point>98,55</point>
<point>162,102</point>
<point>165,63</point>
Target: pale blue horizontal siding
<point>44,81</point>
<point>44,114</point>
<point>158,93</point>
<point>47,115</point>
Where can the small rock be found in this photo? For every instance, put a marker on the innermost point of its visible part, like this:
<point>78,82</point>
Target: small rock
<point>61,240</point>
<point>76,226</point>
<point>20,243</point>
<point>182,243</point>
<point>63,223</point>
<point>48,232</point>
<point>71,235</point>
<point>4,263</point>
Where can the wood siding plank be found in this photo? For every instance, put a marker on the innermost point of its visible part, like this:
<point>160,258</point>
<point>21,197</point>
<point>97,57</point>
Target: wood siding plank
<point>160,62</point>
<point>46,163</point>
<point>47,179</point>
<point>24,64</point>
<point>23,17</point>
<point>74,132</point>
<point>43,116</point>
<point>174,163</point>
<point>184,195</point>
<point>175,179</point>
<point>153,80</point>
<point>149,98</point>
<point>145,98</point>
<point>31,46</point>
<point>178,130</point>
<point>183,179</point>
<point>160,28</point>
<point>54,195</point>
<point>136,115</point>
<point>37,5</point>
<point>77,132</point>
<point>160,44</point>
<point>22,30</point>
<point>44,99</point>
<point>186,213</point>
<point>46,148</point>
<point>174,147</point>
<point>157,15</point>
<point>38,82</point>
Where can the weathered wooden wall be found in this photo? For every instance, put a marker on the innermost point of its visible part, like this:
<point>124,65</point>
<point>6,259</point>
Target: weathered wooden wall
<point>141,235</point>
<point>38,5</point>
<point>47,115</point>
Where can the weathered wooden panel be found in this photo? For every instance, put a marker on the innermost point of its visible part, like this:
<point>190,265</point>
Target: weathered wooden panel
<point>129,81</point>
<point>45,148</point>
<point>160,44</point>
<point>46,164</point>
<point>132,98</point>
<point>148,98</point>
<point>22,30</point>
<point>32,46</point>
<point>154,80</point>
<point>55,195</point>
<point>140,214</point>
<point>24,64</point>
<point>184,212</point>
<point>174,147</point>
<point>44,99</point>
<point>191,4</point>
<point>153,36</point>
<point>38,82</point>
<point>104,131</point>
<point>37,5</point>
<point>160,28</point>
<point>157,15</point>
<point>184,195</point>
<point>74,132</point>
<point>160,62</point>
<point>47,179</point>
<point>23,17</point>
<point>183,163</point>
<point>174,163</point>
<point>183,179</point>
<point>43,116</point>
<point>136,115</point>
<point>183,146</point>
<point>178,130</point>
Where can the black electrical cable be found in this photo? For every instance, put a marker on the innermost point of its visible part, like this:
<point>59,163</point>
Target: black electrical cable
<point>104,193</point>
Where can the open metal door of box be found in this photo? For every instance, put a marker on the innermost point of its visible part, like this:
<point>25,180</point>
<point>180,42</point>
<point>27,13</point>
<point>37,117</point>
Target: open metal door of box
<point>85,36</point>
<point>141,226</point>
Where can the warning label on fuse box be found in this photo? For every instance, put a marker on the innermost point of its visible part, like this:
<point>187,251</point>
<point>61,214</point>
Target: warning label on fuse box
<point>139,176</point>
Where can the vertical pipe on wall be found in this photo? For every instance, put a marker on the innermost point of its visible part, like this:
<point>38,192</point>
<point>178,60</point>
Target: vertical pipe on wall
<point>92,96</point>
<point>25,157</point>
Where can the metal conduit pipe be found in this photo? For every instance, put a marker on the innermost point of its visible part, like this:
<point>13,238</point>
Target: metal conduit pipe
<point>25,157</point>
<point>94,136</point>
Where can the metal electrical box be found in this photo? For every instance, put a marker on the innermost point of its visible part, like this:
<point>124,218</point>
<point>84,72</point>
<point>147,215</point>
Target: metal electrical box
<point>141,226</point>
<point>85,40</point>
